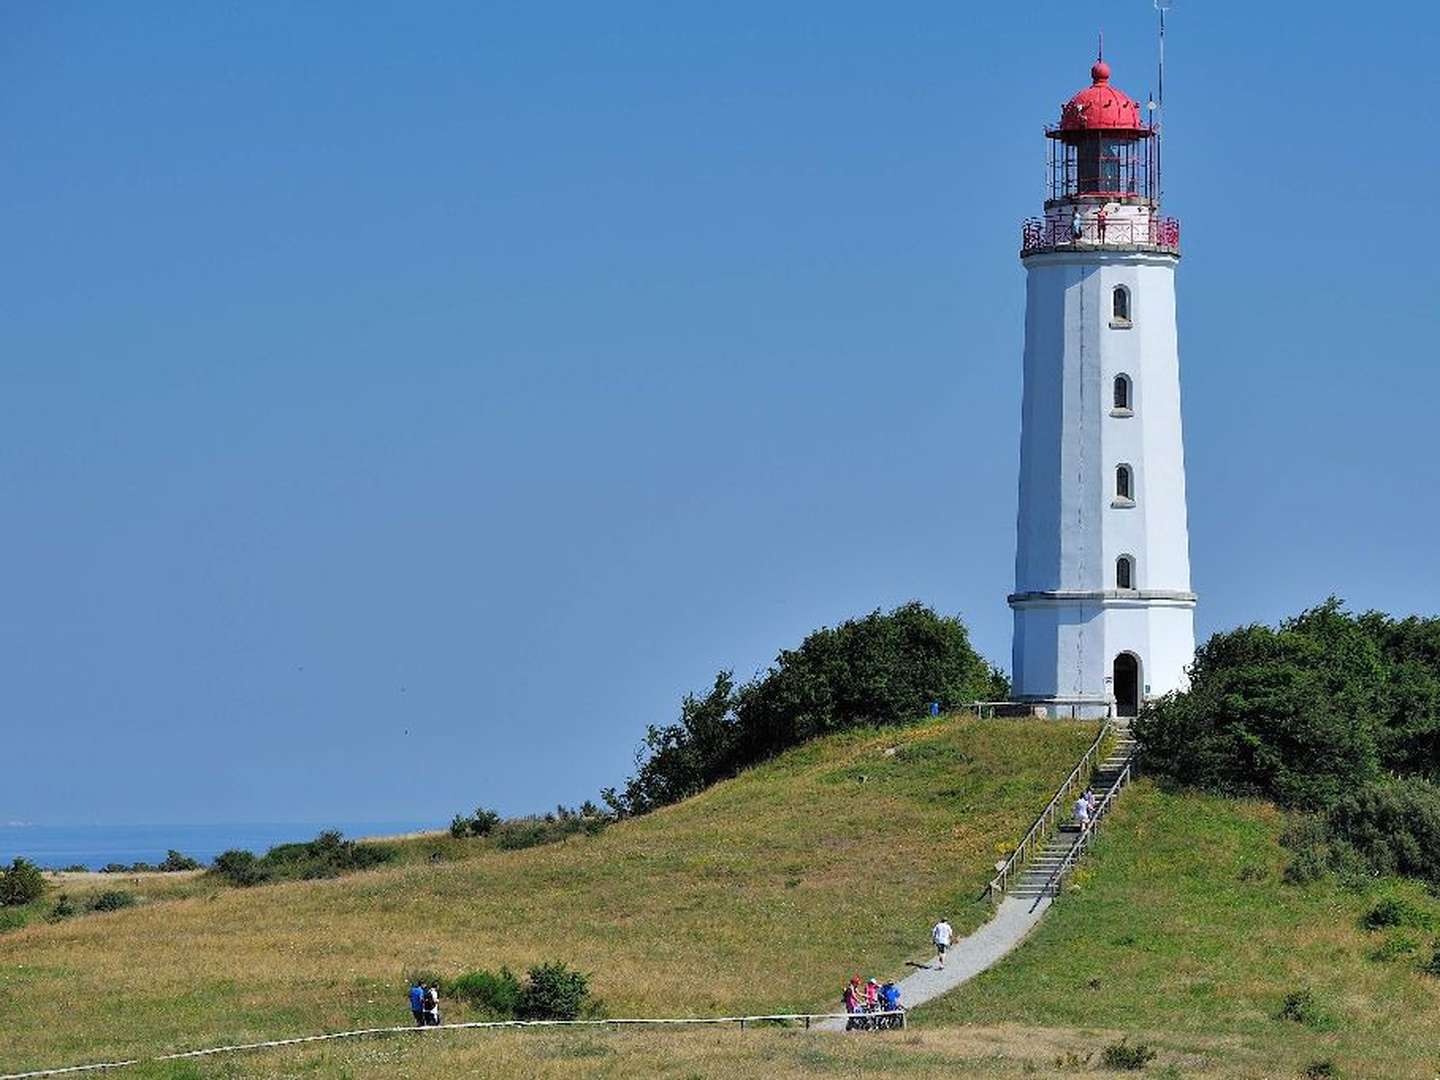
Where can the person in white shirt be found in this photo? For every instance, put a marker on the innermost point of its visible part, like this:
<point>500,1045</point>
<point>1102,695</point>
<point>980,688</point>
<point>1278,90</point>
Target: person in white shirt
<point>1082,811</point>
<point>941,935</point>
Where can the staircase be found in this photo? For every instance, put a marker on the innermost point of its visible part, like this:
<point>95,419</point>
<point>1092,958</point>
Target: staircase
<point>1044,873</point>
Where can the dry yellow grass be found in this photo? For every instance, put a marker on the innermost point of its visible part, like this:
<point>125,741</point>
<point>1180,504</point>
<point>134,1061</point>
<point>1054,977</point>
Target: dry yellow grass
<point>762,894</point>
<point>1001,1051</point>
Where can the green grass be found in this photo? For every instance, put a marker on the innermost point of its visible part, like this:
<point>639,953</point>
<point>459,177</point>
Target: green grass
<point>762,894</point>
<point>1180,929</point>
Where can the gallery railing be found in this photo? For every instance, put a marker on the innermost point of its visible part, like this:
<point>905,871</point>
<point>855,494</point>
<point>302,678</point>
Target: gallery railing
<point>1052,234</point>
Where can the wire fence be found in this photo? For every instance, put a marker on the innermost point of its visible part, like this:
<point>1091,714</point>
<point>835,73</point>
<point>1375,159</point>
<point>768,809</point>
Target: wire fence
<point>896,1016</point>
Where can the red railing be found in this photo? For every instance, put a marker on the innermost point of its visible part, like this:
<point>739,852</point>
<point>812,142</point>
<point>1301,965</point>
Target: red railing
<point>1158,234</point>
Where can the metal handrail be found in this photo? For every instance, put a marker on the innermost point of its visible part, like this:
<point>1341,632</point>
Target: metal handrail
<point>1001,879</point>
<point>1052,886</point>
<point>1049,234</point>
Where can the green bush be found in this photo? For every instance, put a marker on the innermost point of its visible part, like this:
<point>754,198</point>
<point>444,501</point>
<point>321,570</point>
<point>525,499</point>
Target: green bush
<point>1301,1007</point>
<point>1305,712</point>
<point>64,908</point>
<point>241,868</point>
<point>328,855</point>
<point>1394,947</point>
<point>12,919</point>
<point>21,883</point>
<point>1432,966</point>
<point>553,992</point>
<point>175,861</point>
<point>1321,1070</point>
<point>526,832</point>
<point>495,993</point>
<point>1396,911</point>
<point>112,900</point>
<point>885,668</point>
<point>1123,1055</point>
<point>480,823</point>
<point>1393,825</point>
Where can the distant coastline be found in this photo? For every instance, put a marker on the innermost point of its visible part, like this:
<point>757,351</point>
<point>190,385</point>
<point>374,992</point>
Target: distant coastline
<point>55,847</point>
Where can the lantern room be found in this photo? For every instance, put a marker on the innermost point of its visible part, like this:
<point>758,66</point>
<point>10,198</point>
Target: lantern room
<point>1101,149</point>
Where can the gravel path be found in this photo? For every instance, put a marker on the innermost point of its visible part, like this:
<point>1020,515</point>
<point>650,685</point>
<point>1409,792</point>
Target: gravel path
<point>968,956</point>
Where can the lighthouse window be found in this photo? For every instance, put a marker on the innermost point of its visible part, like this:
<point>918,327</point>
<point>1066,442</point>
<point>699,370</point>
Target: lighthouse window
<point>1125,572</point>
<point>1122,394</point>
<point>1120,305</point>
<point>1124,483</point>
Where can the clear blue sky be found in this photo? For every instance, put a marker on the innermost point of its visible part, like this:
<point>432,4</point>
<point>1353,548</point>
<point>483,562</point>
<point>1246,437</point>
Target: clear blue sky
<point>403,405</point>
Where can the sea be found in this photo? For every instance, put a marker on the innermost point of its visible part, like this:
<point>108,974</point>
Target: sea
<point>55,847</point>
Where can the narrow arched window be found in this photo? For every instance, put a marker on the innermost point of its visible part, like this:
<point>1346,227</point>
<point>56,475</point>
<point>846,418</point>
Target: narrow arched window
<point>1122,392</point>
<point>1120,304</point>
<point>1124,482</point>
<point>1125,572</point>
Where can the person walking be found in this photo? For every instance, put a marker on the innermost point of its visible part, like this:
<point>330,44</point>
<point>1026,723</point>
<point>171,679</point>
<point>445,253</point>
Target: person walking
<point>851,1000</point>
<point>432,1005</point>
<point>417,1003</point>
<point>941,934</point>
<point>1082,812</point>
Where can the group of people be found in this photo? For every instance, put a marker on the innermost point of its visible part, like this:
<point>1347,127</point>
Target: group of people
<point>425,1003</point>
<point>862,999</point>
<point>1085,808</point>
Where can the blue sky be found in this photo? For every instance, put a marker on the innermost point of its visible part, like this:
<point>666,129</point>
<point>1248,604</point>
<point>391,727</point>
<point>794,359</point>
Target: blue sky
<point>403,405</point>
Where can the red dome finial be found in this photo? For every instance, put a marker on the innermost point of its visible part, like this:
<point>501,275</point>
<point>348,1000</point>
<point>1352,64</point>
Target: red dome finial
<point>1100,106</point>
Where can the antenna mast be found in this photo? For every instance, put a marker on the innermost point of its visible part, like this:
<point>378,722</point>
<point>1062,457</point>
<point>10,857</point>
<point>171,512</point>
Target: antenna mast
<point>1158,106</point>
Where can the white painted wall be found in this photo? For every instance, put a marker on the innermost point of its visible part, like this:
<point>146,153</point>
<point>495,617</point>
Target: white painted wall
<point>1070,618</point>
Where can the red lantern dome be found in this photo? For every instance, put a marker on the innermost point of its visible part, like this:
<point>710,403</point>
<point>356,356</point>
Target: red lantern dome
<point>1100,106</point>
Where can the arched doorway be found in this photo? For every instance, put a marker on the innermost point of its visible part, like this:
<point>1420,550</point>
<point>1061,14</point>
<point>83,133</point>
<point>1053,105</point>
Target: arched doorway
<point>1127,684</point>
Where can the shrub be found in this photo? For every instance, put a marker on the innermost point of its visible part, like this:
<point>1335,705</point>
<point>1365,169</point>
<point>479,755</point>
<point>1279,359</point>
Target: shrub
<point>241,868</point>
<point>112,900</point>
<point>64,908</point>
<point>459,826</point>
<point>1393,825</point>
<point>11,919</point>
<point>553,992</point>
<point>1303,712</point>
<point>1122,1055</point>
<point>1432,966</point>
<point>21,883</point>
<point>1396,911</point>
<point>175,861</point>
<point>496,993</point>
<point>1321,1070</point>
<point>1300,1006</point>
<point>1394,947</point>
<point>328,855</point>
<point>483,822</point>
<point>526,832</point>
<point>77,868</point>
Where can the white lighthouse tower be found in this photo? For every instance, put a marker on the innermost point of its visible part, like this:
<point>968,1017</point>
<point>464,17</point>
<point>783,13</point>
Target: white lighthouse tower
<point>1104,615</point>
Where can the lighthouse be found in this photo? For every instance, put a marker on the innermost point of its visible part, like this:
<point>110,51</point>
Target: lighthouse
<point>1103,610</point>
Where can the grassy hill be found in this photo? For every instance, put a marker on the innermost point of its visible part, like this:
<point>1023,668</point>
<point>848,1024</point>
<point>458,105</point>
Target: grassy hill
<point>1181,931</point>
<point>762,894</point>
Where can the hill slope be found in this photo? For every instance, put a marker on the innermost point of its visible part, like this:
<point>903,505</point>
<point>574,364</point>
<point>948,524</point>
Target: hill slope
<point>761,894</point>
<point>1181,931</point>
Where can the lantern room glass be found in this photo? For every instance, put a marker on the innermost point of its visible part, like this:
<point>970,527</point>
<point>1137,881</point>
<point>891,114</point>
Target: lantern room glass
<point>1101,163</point>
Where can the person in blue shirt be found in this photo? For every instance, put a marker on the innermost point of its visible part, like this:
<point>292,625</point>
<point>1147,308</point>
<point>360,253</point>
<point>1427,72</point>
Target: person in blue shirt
<point>890,996</point>
<point>417,1003</point>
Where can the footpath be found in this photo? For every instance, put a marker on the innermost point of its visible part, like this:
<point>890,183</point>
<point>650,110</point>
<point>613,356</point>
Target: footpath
<point>1024,900</point>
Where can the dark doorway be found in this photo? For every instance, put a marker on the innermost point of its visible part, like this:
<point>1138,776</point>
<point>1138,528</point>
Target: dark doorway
<point>1127,684</point>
